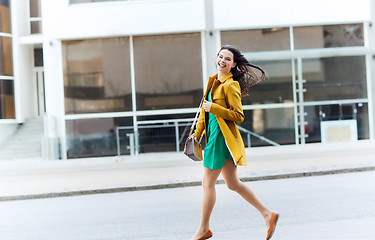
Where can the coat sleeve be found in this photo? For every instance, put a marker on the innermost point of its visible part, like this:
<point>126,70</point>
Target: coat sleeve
<point>200,124</point>
<point>234,111</point>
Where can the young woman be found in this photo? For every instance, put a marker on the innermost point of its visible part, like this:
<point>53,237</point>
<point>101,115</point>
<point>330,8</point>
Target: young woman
<point>225,149</point>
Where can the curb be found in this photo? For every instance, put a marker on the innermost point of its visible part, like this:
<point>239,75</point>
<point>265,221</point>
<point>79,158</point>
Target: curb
<point>182,184</point>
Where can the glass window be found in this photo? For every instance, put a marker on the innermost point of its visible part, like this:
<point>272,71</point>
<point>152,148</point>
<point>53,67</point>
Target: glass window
<point>38,57</point>
<point>35,16</point>
<point>328,36</point>
<point>275,124</point>
<point>317,114</point>
<point>36,27</point>
<point>96,137</point>
<point>168,71</point>
<point>7,110</point>
<point>6,58</point>
<point>270,39</point>
<point>335,78</point>
<point>161,137</point>
<point>97,75</point>
<point>277,89</point>
<point>5,25</point>
<point>35,9</point>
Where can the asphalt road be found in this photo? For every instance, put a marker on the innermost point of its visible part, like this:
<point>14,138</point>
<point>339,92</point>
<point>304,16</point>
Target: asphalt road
<point>340,206</point>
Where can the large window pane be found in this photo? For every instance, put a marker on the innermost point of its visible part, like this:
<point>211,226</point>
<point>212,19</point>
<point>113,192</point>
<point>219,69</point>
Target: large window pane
<point>317,114</point>
<point>270,39</point>
<point>5,25</point>
<point>328,36</point>
<point>7,110</point>
<point>97,75</point>
<point>335,78</point>
<point>168,71</point>
<point>6,58</point>
<point>96,137</point>
<point>277,89</point>
<point>274,124</point>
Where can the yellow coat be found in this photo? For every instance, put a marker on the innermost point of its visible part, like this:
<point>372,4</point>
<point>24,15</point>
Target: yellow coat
<point>227,107</point>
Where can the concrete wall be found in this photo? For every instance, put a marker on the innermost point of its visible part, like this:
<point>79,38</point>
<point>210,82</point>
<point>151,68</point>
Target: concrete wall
<point>65,21</point>
<point>259,14</point>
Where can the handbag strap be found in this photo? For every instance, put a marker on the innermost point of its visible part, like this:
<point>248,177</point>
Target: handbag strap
<point>195,119</point>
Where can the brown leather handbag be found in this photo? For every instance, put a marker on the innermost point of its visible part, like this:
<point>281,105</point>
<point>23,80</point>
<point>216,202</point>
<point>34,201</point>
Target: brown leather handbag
<point>193,148</point>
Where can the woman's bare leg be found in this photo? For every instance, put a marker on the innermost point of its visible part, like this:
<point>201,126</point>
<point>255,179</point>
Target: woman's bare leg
<point>209,198</point>
<point>229,173</point>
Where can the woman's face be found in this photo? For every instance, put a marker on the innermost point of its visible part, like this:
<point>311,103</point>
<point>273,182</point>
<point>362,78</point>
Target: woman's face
<point>225,61</point>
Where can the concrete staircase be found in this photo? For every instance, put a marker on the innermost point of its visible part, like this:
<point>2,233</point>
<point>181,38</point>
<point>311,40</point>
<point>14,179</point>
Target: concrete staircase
<point>25,143</point>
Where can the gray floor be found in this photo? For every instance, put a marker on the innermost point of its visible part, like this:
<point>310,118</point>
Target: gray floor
<point>340,206</point>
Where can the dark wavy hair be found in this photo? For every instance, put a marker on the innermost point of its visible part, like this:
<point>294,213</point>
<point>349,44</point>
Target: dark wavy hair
<point>243,72</point>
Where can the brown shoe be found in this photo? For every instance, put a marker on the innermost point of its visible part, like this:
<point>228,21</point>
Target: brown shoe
<point>272,228</point>
<point>206,236</point>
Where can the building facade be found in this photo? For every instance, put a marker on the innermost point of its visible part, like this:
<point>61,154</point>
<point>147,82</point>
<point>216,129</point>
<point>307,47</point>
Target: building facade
<point>125,77</point>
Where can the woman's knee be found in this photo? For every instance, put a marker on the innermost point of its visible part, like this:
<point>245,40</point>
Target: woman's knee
<point>207,184</point>
<point>233,185</point>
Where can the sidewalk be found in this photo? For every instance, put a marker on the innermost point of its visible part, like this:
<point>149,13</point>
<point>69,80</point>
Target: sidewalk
<point>35,178</point>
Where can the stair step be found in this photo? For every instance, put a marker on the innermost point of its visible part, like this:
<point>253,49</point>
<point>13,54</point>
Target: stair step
<point>26,142</point>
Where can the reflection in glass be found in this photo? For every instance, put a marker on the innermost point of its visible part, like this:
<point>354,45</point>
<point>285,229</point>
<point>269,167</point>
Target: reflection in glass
<point>270,39</point>
<point>162,137</point>
<point>317,114</point>
<point>35,15</point>
<point>335,78</point>
<point>97,75</point>
<point>7,110</point>
<point>277,89</point>
<point>36,27</point>
<point>274,124</point>
<point>328,36</point>
<point>168,71</point>
<point>38,57</point>
<point>96,137</point>
<point>35,9</point>
<point>6,58</point>
<point>5,25</point>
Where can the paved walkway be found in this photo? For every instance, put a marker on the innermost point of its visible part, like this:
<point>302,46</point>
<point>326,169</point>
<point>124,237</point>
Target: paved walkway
<point>35,178</point>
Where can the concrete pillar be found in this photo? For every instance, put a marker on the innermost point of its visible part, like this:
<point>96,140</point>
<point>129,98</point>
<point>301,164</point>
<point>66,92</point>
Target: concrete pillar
<point>210,40</point>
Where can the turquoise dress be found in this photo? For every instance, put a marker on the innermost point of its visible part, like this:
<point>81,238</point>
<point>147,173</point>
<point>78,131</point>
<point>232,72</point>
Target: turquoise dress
<point>216,152</point>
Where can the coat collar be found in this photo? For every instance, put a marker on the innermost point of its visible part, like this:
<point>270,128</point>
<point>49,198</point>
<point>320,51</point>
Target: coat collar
<point>223,79</point>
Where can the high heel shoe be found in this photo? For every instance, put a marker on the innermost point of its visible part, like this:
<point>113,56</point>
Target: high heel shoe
<point>206,236</point>
<point>272,228</point>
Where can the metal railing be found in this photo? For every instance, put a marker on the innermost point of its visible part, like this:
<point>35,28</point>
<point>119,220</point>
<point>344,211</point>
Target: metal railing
<point>131,136</point>
<point>250,133</point>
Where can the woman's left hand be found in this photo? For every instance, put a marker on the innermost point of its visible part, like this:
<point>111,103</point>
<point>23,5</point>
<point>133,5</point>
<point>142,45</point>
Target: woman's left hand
<point>207,106</point>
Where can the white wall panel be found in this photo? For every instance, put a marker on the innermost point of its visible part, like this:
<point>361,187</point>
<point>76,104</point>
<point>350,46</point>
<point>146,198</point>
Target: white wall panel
<point>24,86</point>
<point>244,14</point>
<point>64,21</point>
